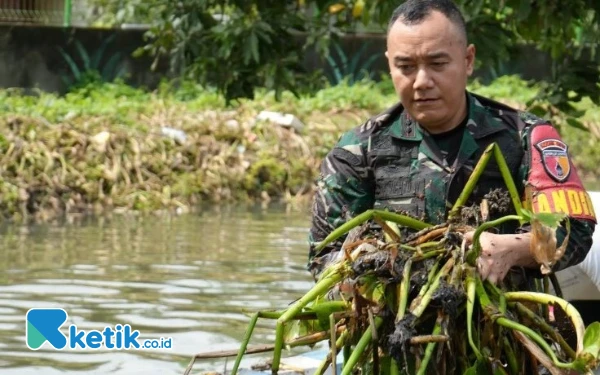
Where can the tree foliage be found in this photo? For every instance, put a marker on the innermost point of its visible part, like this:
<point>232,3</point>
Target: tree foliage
<point>239,45</point>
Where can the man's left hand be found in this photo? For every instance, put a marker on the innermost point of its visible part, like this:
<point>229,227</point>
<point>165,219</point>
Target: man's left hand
<point>501,252</point>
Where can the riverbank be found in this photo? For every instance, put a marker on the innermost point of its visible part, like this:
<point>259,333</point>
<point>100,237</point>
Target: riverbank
<point>113,148</point>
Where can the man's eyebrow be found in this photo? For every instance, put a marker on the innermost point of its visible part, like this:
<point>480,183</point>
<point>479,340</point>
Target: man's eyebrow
<point>438,55</point>
<point>402,58</point>
<point>429,56</point>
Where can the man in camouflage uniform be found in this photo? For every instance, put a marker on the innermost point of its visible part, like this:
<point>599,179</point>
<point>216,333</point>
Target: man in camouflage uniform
<point>416,157</point>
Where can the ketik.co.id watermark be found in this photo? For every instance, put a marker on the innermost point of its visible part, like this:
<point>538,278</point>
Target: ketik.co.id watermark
<point>44,325</point>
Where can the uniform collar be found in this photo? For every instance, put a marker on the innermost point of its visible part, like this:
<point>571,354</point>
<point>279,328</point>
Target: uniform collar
<point>480,123</point>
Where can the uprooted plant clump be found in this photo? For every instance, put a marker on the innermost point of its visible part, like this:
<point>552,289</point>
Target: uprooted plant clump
<point>416,304</point>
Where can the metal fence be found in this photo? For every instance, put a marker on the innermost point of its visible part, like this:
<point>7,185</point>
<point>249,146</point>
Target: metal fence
<point>36,12</point>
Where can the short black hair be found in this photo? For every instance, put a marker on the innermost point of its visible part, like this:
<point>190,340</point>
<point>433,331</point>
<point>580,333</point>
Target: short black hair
<point>413,12</point>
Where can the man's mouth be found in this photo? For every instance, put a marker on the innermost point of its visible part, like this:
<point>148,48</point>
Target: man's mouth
<point>425,101</point>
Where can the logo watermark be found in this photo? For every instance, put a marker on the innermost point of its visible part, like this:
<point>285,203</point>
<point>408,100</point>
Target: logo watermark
<point>44,325</point>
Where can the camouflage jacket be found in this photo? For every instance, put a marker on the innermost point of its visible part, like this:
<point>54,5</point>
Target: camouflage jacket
<point>391,163</point>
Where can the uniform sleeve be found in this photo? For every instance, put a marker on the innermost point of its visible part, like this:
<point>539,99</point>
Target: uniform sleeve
<point>553,185</point>
<point>344,190</point>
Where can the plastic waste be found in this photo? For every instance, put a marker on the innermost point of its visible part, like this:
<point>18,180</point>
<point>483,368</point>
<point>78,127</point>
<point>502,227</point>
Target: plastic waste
<point>283,119</point>
<point>176,134</point>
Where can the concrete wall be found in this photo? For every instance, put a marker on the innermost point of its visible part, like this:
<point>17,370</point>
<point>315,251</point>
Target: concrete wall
<point>30,56</point>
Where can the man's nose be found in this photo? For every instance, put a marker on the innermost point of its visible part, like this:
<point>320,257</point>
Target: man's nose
<point>422,80</point>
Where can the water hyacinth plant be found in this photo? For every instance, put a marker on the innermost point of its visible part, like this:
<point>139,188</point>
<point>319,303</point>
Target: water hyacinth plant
<point>415,304</point>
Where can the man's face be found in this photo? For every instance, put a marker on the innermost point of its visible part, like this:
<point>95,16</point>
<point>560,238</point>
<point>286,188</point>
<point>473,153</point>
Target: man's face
<point>430,64</point>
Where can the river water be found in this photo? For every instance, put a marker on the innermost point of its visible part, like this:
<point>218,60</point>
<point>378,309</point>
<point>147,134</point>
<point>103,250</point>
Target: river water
<point>187,278</point>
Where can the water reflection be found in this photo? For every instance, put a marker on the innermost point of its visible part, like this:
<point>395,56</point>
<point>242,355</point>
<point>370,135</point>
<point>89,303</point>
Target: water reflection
<point>186,277</point>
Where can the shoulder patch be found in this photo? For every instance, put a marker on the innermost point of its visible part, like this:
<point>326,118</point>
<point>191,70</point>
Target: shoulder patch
<point>555,158</point>
<point>553,184</point>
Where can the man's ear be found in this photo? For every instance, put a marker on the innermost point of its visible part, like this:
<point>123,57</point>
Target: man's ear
<point>470,59</point>
<point>386,55</point>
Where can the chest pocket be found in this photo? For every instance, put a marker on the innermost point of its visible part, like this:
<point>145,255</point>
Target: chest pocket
<point>397,187</point>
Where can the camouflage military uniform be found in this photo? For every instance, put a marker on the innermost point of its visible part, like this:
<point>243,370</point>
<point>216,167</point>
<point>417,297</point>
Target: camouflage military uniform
<point>390,163</point>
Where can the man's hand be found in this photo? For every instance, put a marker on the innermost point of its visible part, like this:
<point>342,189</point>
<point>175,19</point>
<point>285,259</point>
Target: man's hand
<point>501,252</point>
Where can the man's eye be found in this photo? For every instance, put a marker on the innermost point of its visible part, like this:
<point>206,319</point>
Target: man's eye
<point>439,64</point>
<point>404,67</point>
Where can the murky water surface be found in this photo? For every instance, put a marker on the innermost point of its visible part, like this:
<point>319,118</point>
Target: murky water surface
<point>187,277</point>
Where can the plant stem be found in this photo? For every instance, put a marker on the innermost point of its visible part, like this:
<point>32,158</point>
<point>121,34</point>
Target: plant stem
<point>492,312</point>
<point>505,322</point>
<point>322,286</point>
<point>364,341</point>
<point>429,350</point>
<point>471,288</point>
<point>473,179</point>
<point>245,342</point>
<point>368,215</point>
<point>457,272</point>
<point>409,248</point>
<point>347,353</point>
<point>279,331</point>
<point>510,357</point>
<point>404,286</point>
<point>375,340</point>
<point>420,308</point>
<point>522,309</point>
<point>497,295</point>
<point>329,358</point>
<point>542,298</point>
<point>508,180</point>
<point>394,367</point>
<point>304,315</point>
<point>334,345</point>
<point>427,255</point>
<point>425,339</point>
<point>402,219</point>
<point>556,285</point>
<point>546,311</point>
<point>427,245</point>
<point>430,275</point>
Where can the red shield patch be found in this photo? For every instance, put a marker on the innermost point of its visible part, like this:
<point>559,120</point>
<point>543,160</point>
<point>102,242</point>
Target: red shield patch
<point>555,158</point>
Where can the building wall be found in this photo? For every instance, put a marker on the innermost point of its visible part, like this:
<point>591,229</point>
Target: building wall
<point>36,12</point>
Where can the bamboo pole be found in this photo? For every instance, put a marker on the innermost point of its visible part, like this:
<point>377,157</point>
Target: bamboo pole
<point>67,13</point>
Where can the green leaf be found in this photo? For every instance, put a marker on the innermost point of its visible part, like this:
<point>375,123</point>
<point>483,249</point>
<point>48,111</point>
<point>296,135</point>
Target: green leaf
<point>99,53</point>
<point>551,220</point>
<point>479,368</point>
<point>524,10</point>
<point>591,340</point>
<point>72,65</point>
<point>576,124</point>
<point>298,328</point>
<point>254,46</point>
<point>83,54</point>
<point>538,110</point>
